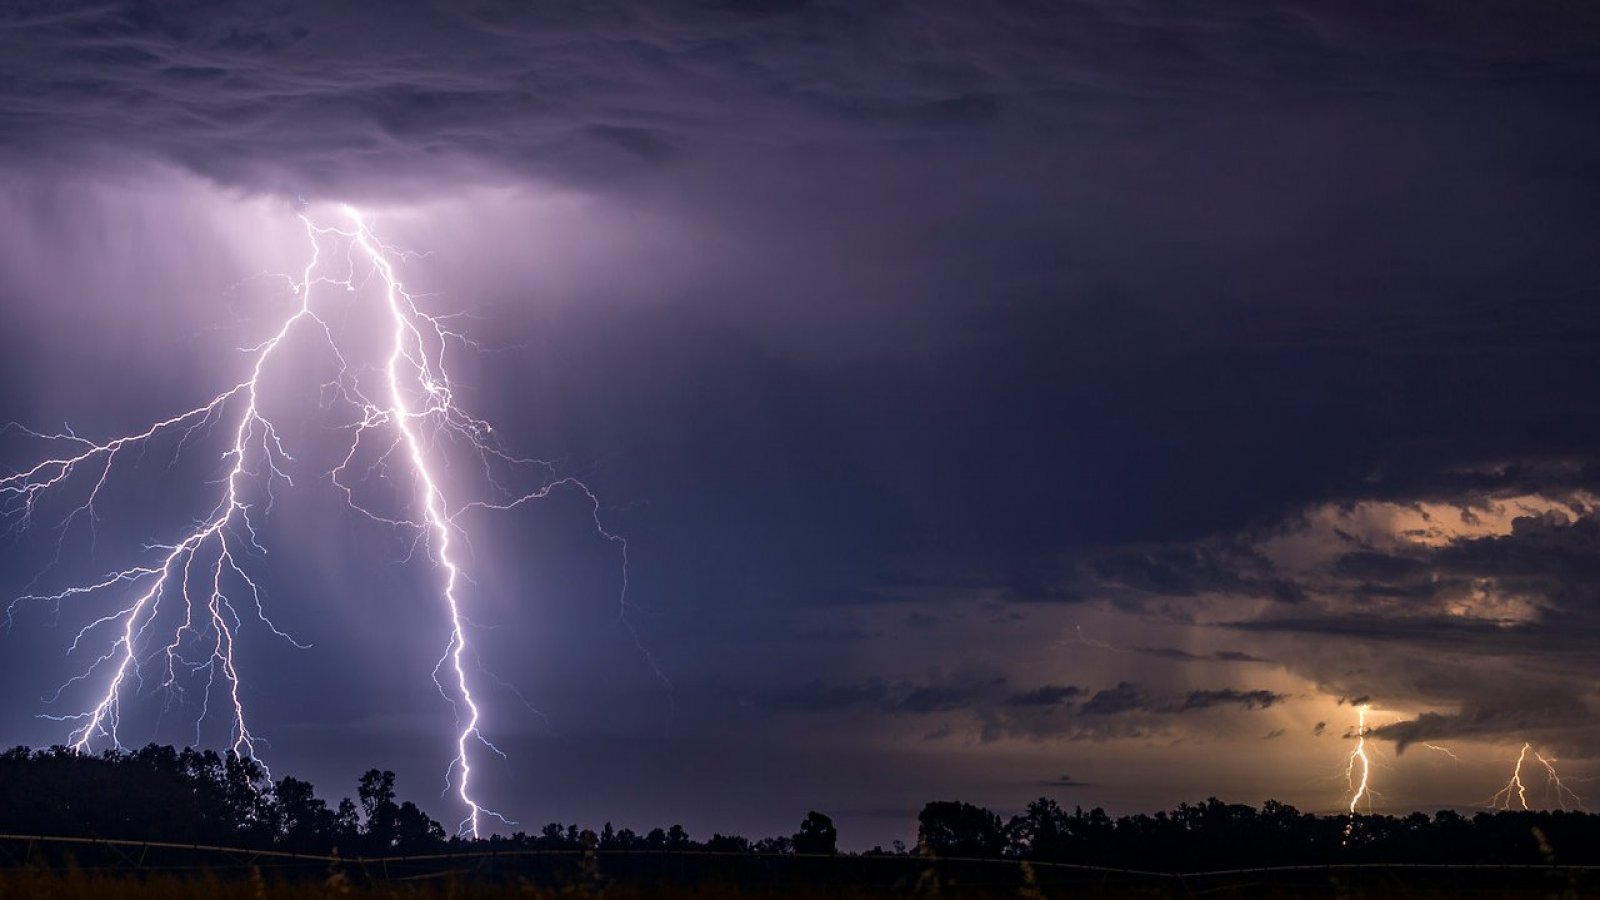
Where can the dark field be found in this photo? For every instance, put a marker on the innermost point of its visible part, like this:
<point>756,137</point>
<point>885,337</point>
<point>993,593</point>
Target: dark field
<point>130,874</point>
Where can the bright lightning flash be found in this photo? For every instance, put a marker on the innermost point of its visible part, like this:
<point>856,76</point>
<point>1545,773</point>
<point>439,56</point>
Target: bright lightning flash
<point>1358,773</point>
<point>1515,794</point>
<point>1358,767</point>
<point>203,571</point>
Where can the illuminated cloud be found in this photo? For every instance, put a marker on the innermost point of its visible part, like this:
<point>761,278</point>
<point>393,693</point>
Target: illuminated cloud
<point>1476,608</point>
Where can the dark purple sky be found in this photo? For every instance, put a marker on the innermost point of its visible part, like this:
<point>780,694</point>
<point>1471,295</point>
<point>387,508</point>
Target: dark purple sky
<point>999,399</point>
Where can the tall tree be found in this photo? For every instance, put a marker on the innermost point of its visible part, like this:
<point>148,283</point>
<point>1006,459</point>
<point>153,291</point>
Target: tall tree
<point>953,828</point>
<point>816,835</point>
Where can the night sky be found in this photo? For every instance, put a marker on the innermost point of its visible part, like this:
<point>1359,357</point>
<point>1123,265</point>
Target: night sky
<point>1097,400</point>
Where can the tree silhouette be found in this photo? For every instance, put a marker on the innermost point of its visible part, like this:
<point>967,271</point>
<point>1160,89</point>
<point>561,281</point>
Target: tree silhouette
<point>304,820</point>
<point>160,794</point>
<point>728,843</point>
<point>775,845</point>
<point>1039,832</point>
<point>817,835</point>
<point>953,828</point>
<point>376,790</point>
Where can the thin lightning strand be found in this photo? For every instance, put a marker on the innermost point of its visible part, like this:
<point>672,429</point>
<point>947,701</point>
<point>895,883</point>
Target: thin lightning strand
<point>1358,769</point>
<point>1558,790</point>
<point>1516,792</point>
<point>1502,798</point>
<point>202,569</point>
<point>255,447</point>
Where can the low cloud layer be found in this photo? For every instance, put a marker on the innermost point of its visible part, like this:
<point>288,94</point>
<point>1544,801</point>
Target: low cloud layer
<point>995,709</point>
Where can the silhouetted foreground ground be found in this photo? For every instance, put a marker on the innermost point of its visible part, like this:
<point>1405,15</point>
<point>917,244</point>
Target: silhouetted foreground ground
<point>939,880</point>
<point>160,822</point>
<point>132,872</point>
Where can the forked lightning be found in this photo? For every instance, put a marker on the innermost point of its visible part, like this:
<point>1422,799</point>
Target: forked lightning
<point>203,570</point>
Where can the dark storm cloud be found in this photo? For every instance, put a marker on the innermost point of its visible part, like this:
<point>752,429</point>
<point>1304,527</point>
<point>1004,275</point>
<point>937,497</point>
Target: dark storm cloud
<point>1440,631</point>
<point>313,94</point>
<point>1128,697</point>
<point>1048,695</point>
<point>1550,558</point>
<point>1071,143</point>
<point>989,708</point>
<point>1554,552</point>
<point>1368,565</point>
<point>946,697</point>
<point>308,96</point>
<point>940,694</point>
<point>1214,566</point>
<point>1174,653</point>
<point>1237,656</point>
<point>1069,304</point>
<point>1125,710</point>
<point>1229,697</point>
<point>1500,623</point>
<point>1549,717</point>
<point>1125,697</point>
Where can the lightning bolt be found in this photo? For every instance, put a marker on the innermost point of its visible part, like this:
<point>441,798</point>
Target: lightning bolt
<point>1517,792</point>
<point>1557,790</point>
<point>203,571</point>
<point>1445,750</point>
<point>1358,771</point>
<point>1502,798</point>
<point>255,452</point>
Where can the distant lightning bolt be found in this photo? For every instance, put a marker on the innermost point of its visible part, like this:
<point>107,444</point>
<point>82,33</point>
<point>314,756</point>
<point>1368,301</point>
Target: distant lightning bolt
<point>1558,791</point>
<point>1445,750</point>
<point>1502,798</point>
<point>201,570</point>
<point>1515,794</point>
<point>1357,771</point>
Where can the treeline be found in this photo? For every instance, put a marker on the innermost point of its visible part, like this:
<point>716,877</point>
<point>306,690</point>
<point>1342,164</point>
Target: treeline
<point>202,797</point>
<point>162,794</point>
<point>1216,835</point>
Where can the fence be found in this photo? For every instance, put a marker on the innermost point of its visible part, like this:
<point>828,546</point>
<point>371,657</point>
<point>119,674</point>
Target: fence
<point>889,873</point>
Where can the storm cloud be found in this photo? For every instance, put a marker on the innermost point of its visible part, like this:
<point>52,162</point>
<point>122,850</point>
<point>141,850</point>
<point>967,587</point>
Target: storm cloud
<point>310,96</point>
<point>992,709</point>
<point>1022,386</point>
